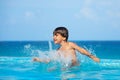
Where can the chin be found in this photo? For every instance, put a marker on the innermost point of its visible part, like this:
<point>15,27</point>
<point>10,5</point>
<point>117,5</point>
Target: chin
<point>56,42</point>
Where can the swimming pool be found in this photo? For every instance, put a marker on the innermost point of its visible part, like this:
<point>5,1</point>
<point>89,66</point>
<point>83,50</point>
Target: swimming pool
<point>16,61</point>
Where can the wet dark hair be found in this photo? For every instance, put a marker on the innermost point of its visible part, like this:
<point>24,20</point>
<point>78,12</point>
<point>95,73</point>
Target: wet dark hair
<point>62,31</point>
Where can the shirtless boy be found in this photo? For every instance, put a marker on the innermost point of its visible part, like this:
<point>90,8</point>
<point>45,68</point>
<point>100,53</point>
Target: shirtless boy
<point>60,36</point>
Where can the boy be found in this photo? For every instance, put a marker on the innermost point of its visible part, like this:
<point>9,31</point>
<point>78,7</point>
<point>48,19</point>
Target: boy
<point>67,49</point>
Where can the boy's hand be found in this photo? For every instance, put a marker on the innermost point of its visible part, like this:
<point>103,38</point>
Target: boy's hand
<point>40,60</point>
<point>36,59</point>
<point>94,58</point>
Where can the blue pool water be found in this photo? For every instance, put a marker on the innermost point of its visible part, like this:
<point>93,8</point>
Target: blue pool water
<point>16,61</point>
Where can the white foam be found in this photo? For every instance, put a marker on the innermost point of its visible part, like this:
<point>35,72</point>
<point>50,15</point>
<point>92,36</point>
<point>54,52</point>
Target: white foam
<point>27,46</point>
<point>50,45</point>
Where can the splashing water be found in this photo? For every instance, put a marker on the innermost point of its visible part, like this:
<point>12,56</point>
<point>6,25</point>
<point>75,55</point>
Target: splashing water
<point>14,66</point>
<point>50,45</point>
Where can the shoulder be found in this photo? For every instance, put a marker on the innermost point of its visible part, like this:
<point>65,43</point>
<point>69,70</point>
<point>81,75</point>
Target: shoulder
<point>72,44</point>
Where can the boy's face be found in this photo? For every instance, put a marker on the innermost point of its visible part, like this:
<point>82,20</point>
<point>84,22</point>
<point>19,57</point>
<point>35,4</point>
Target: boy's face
<point>57,38</point>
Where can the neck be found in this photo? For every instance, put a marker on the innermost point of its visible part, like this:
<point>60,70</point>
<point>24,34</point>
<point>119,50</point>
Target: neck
<point>63,43</point>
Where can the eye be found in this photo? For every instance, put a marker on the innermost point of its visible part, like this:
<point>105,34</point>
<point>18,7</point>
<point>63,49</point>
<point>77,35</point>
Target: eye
<point>55,34</point>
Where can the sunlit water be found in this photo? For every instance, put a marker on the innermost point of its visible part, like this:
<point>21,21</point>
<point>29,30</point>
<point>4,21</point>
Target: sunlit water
<point>16,62</point>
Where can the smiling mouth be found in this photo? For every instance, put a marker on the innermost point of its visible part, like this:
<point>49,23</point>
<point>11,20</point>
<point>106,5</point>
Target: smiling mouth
<point>55,40</point>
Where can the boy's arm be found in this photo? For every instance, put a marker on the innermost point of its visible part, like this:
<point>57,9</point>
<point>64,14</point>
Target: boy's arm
<point>85,52</point>
<point>40,60</point>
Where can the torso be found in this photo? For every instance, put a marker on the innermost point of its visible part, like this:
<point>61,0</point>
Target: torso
<point>68,51</point>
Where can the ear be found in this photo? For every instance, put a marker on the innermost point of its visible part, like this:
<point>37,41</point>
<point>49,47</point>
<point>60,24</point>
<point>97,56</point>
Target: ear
<point>64,38</point>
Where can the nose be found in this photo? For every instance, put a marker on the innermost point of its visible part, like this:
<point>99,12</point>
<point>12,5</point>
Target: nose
<point>53,37</point>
